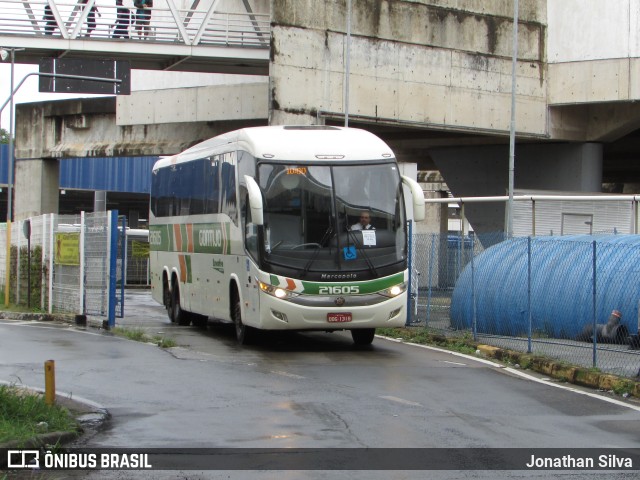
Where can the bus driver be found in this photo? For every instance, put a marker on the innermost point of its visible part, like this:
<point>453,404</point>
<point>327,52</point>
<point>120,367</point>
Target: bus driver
<point>364,223</point>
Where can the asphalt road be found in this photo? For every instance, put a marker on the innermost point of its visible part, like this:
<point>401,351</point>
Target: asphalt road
<point>311,390</point>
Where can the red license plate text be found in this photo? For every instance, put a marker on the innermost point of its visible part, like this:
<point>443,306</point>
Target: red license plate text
<point>338,317</point>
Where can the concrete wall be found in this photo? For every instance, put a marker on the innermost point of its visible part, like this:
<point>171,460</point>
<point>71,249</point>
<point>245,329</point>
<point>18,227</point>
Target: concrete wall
<point>238,101</point>
<point>46,131</point>
<point>88,128</point>
<point>433,63</point>
<point>594,69</point>
<point>593,29</point>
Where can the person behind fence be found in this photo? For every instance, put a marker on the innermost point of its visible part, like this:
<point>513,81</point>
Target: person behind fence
<point>91,17</point>
<point>143,16</point>
<point>50,21</point>
<point>364,223</point>
<point>123,19</point>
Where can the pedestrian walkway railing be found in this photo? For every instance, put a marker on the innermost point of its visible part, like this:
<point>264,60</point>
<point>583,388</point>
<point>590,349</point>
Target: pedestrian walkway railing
<point>73,20</point>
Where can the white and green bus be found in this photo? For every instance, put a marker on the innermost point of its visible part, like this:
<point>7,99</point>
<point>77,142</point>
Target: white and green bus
<point>255,227</point>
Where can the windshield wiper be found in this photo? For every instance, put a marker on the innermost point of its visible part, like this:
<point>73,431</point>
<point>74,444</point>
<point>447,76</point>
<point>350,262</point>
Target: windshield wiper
<point>325,239</point>
<point>350,233</point>
<point>361,250</point>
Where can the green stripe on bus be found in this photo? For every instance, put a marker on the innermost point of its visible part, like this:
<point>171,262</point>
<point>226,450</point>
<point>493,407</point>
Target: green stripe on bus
<point>188,263</point>
<point>369,286</point>
<point>324,288</point>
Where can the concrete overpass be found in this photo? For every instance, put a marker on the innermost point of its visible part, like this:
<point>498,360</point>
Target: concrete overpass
<point>433,78</point>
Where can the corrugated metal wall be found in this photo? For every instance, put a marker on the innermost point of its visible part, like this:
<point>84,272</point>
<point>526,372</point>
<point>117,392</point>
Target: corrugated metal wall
<point>553,217</point>
<point>113,174</point>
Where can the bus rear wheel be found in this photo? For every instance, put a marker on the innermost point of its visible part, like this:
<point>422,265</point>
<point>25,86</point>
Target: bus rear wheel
<point>363,336</point>
<point>166,298</point>
<point>178,315</point>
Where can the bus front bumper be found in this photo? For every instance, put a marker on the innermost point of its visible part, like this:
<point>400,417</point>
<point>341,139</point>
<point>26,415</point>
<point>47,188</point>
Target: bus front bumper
<point>277,314</point>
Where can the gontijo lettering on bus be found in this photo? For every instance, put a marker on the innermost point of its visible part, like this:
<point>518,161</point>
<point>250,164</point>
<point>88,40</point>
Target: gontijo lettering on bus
<point>190,238</point>
<point>342,288</point>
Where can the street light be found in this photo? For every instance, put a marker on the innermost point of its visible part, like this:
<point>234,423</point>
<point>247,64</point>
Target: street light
<point>512,130</point>
<point>347,70</point>
<point>4,54</point>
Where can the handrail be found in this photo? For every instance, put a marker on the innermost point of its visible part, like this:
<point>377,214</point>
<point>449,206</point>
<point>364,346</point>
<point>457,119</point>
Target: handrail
<point>504,198</point>
<point>198,26</point>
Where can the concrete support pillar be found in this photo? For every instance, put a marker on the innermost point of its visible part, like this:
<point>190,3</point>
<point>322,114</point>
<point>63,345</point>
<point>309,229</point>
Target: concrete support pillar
<point>36,188</point>
<point>133,219</point>
<point>100,201</point>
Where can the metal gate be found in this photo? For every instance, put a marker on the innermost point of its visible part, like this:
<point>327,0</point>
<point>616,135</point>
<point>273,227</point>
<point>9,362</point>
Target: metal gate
<point>104,254</point>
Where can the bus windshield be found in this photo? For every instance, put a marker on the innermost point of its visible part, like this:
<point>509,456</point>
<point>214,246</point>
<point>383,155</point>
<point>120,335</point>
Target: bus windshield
<point>312,215</point>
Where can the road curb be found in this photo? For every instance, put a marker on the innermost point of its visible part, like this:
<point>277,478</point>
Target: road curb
<point>30,316</point>
<point>553,368</point>
<point>561,371</point>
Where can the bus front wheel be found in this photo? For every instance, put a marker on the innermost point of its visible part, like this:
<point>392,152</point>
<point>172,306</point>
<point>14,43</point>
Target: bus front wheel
<point>243,333</point>
<point>363,336</point>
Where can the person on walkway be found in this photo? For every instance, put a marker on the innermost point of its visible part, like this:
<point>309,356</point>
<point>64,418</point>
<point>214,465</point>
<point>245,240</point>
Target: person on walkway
<point>143,16</point>
<point>123,19</point>
<point>50,21</point>
<point>91,17</point>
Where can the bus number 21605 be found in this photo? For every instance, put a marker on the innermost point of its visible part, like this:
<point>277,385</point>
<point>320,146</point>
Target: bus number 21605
<point>339,290</point>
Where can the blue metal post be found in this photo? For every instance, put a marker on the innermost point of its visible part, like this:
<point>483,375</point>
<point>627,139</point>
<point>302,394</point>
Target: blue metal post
<point>473,291</point>
<point>595,317</point>
<point>123,273</point>
<point>113,265</point>
<point>529,293</point>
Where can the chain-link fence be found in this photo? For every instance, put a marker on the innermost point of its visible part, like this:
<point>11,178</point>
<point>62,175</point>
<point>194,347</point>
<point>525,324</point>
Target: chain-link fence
<point>574,298</point>
<point>65,263</point>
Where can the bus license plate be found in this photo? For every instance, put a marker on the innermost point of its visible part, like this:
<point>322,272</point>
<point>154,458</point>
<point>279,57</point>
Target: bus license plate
<point>338,317</point>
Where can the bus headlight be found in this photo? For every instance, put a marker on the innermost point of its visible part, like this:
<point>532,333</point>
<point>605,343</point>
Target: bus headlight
<point>276,291</point>
<point>394,291</point>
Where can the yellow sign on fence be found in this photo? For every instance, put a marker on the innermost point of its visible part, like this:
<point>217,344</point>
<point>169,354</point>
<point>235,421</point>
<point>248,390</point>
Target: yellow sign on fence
<point>67,249</point>
<point>139,249</point>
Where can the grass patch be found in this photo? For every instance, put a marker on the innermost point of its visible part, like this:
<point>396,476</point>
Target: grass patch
<point>24,414</point>
<point>139,335</point>
<point>426,337</point>
<point>623,387</point>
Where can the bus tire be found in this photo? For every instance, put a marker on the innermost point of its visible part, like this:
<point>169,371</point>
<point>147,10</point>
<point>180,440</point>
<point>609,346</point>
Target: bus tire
<point>363,336</point>
<point>244,334</point>
<point>179,315</point>
<point>166,298</point>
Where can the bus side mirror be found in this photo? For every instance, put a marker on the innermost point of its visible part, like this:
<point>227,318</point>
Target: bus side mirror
<point>418,198</point>
<point>255,200</point>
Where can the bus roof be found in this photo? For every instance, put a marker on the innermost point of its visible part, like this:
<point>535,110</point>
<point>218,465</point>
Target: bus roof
<point>293,143</point>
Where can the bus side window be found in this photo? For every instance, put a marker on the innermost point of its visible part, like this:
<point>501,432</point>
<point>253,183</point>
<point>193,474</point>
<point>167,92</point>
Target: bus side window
<point>228,187</point>
<point>198,185</point>
<point>211,185</point>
